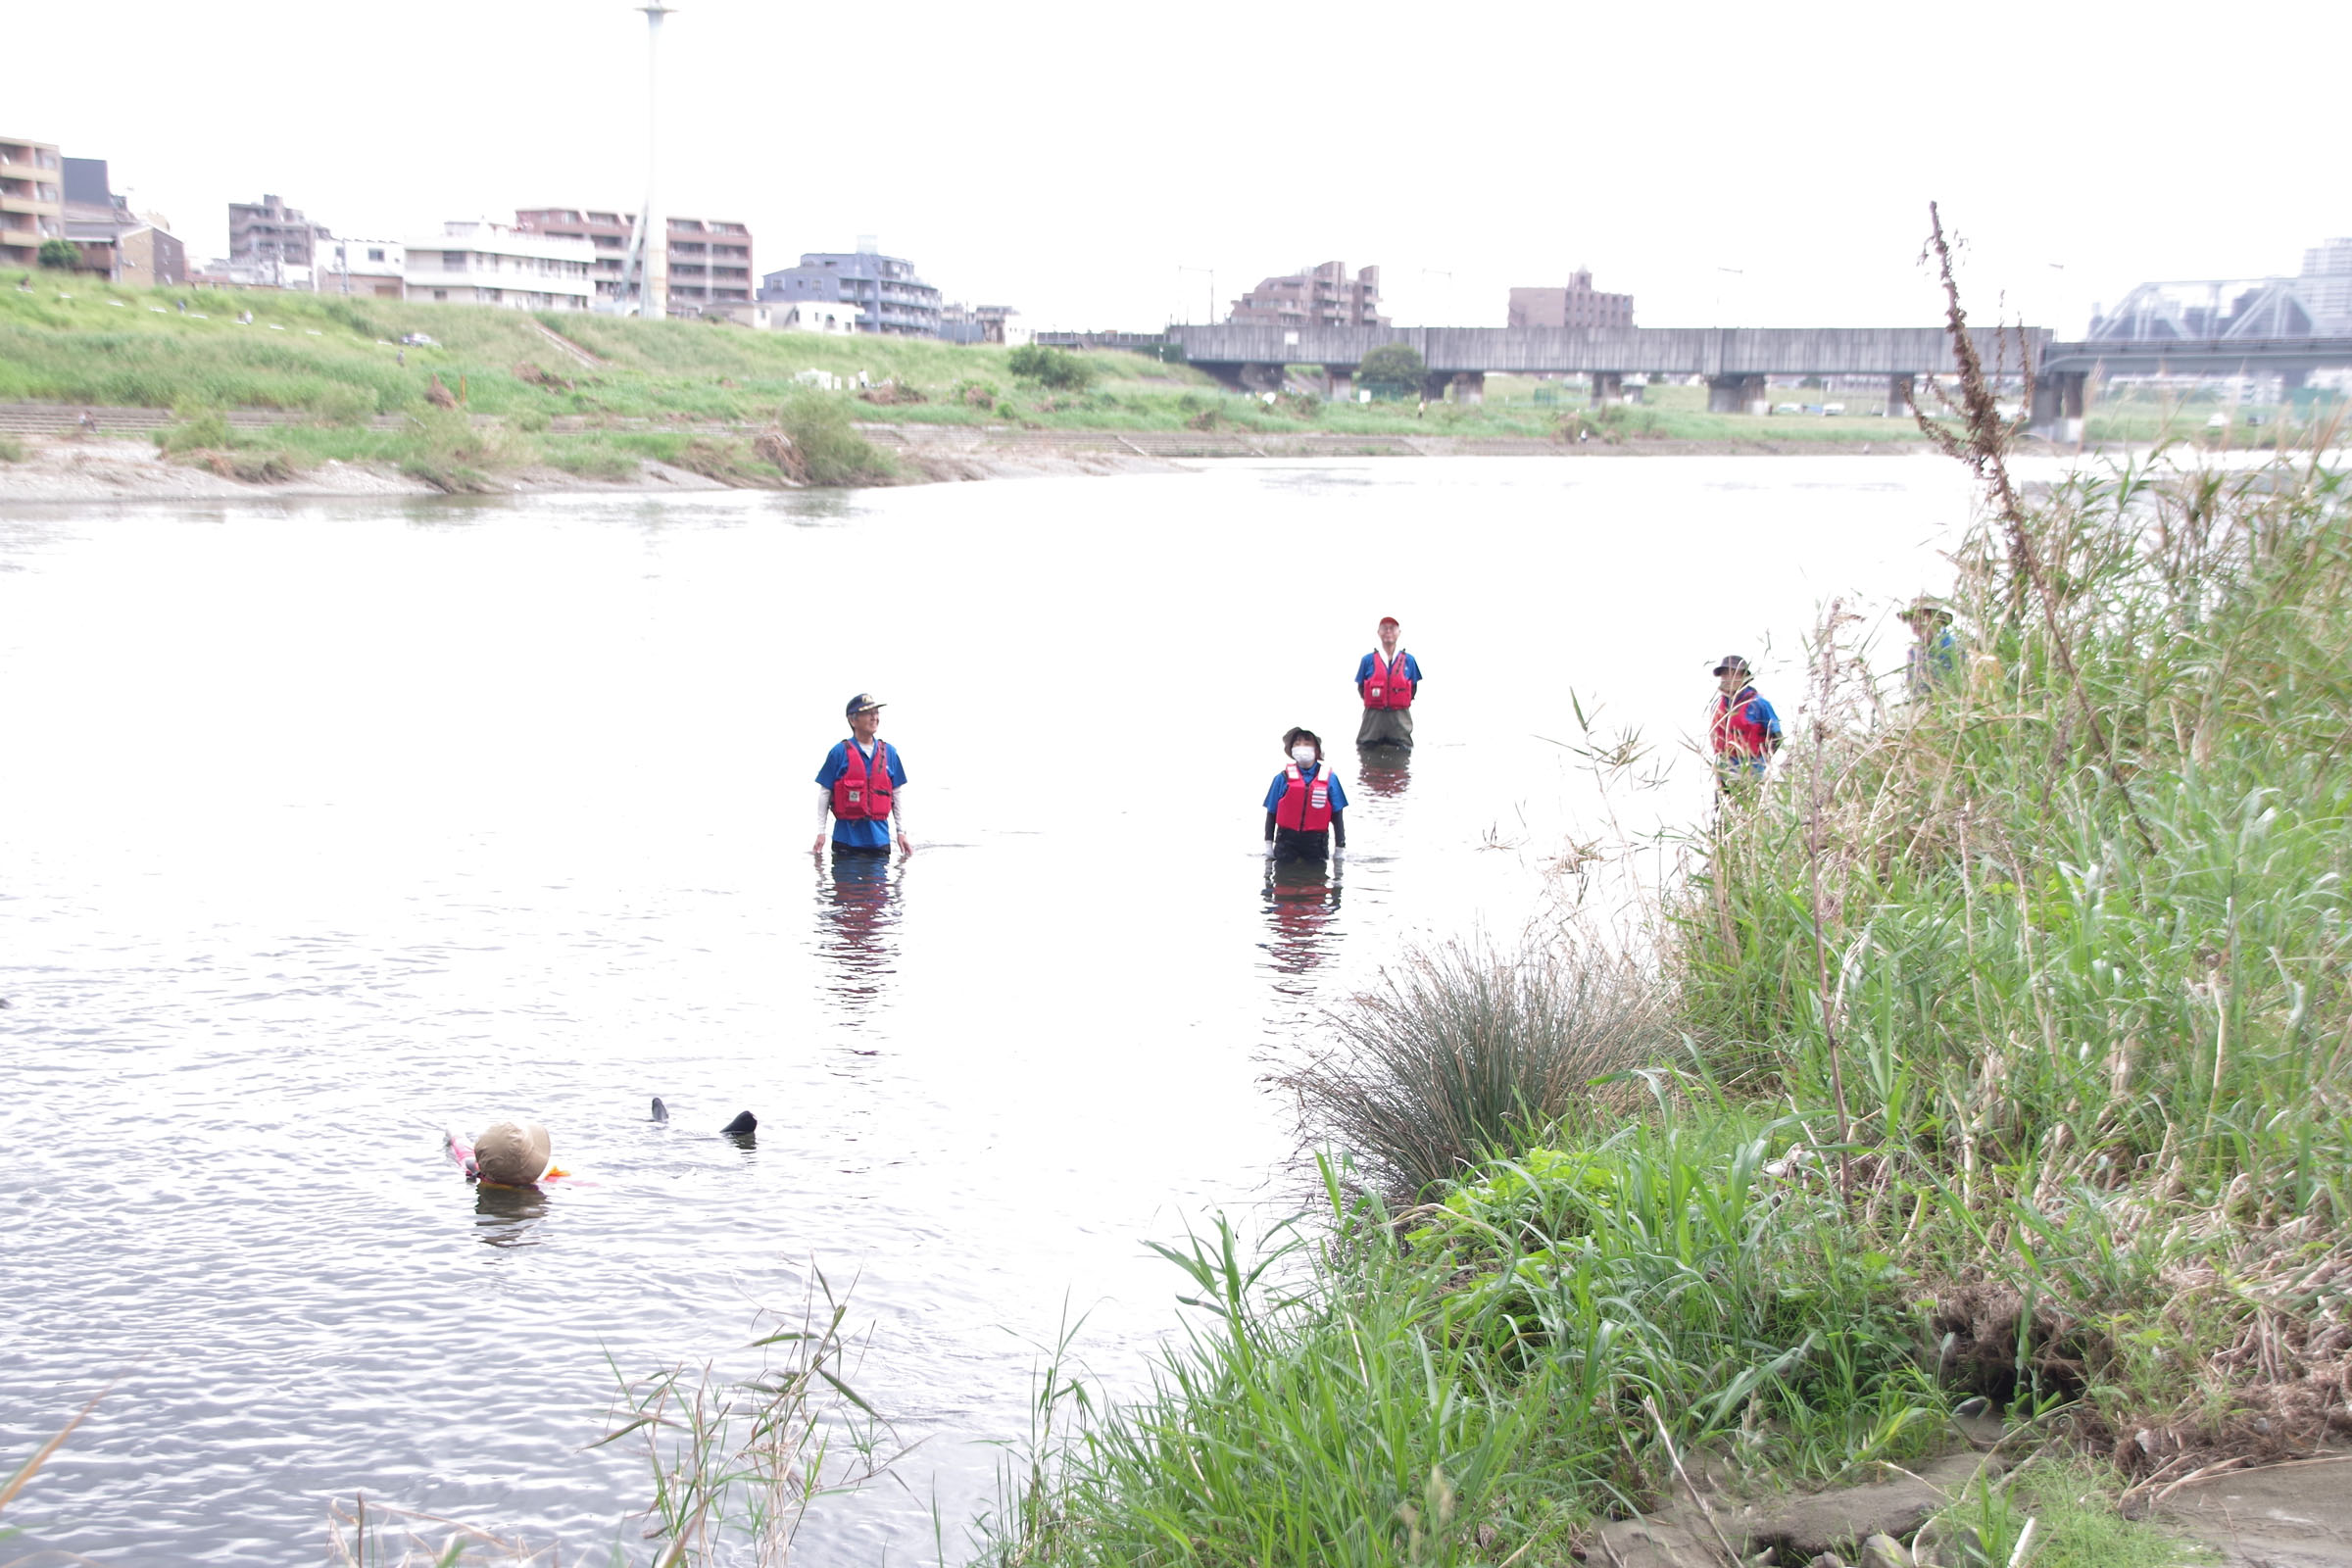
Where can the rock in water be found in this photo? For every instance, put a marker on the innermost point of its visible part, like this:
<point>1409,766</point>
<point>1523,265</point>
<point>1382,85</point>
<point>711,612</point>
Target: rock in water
<point>514,1153</point>
<point>661,1112</point>
<point>744,1122</point>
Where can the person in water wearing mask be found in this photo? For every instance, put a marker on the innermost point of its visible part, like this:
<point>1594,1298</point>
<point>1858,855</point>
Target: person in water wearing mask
<point>1305,805</point>
<point>862,786</point>
<point>1744,729</point>
<point>1386,679</point>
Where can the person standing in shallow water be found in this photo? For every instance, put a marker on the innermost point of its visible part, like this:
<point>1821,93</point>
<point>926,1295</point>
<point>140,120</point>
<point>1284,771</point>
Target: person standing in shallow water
<point>1386,678</point>
<point>862,787</point>
<point>1305,806</point>
<point>1744,729</point>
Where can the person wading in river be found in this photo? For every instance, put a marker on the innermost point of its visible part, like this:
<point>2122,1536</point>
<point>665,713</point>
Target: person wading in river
<point>1305,804</point>
<point>1386,679</point>
<point>862,786</point>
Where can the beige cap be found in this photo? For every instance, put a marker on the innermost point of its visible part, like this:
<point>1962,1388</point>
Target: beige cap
<point>513,1153</point>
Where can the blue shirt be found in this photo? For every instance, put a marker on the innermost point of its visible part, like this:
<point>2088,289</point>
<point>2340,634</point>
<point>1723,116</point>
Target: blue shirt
<point>861,832</point>
<point>1282,782</point>
<point>1412,671</point>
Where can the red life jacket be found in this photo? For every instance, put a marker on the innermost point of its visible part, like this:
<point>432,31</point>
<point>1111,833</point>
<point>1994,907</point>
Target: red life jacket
<point>1305,805</point>
<point>1737,732</point>
<point>1387,686</point>
<point>862,793</point>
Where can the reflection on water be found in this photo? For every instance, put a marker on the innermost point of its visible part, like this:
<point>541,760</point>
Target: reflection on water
<point>1384,771</point>
<point>508,1216</point>
<point>858,897</point>
<point>1302,910</point>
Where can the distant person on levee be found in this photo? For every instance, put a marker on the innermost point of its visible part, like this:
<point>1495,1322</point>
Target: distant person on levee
<point>861,786</point>
<point>1744,729</point>
<point>1386,678</point>
<point>1306,807</point>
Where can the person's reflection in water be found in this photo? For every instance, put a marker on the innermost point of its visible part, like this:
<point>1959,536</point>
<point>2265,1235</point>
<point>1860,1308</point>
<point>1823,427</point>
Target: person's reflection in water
<point>508,1216</point>
<point>860,900</point>
<point>1384,771</point>
<point>1303,905</point>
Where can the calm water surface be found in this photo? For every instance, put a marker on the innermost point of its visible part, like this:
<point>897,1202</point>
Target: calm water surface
<point>325,826</point>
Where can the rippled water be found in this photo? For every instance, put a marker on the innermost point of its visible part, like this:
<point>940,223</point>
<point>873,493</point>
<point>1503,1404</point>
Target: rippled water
<point>325,826</point>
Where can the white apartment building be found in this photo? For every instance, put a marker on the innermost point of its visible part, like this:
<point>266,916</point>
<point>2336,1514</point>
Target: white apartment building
<point>372,268</point>
<point>480,262</point>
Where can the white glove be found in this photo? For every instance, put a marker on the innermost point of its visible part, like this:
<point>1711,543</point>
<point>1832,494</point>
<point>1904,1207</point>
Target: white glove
<point>1338,854</point>
<point>1269,849</point>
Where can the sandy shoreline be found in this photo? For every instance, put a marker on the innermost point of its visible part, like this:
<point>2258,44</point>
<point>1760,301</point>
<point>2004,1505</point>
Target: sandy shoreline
<point>76,467</point>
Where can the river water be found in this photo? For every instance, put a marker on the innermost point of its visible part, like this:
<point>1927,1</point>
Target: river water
<point>327,825</point>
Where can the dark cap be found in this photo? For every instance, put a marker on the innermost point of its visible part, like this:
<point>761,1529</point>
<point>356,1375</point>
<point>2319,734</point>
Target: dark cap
<point>863,702</point>
<point>1730,662</point>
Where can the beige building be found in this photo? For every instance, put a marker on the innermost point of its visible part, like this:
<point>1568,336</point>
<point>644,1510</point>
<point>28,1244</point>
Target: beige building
<point>1579,304</point>
<point>32,204</point>
<point>369,269</point>
<point>272,237</point>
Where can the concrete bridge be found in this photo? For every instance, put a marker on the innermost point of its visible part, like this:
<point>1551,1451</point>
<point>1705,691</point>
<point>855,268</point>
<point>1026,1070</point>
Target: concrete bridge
<point>1734,359</point>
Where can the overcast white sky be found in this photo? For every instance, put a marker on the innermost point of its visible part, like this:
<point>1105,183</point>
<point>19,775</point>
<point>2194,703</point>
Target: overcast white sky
<point>1069,159</point>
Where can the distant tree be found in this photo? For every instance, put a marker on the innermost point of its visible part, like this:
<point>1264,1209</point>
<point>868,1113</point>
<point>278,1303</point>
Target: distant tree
<point>62,254</point>
<point>1050,368</point>
<point>1394,364</point>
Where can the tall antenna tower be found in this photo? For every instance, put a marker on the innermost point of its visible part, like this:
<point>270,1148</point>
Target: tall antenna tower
<point>645,274</point>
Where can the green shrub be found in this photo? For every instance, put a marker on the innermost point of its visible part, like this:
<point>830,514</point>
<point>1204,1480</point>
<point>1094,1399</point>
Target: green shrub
<point>825,446</point>
<point>530,422</point>
<point>342,404</point>
<point>12,450</point>
<point>1398,364</point>
<point>1055,368</point>
<point>195,429</point>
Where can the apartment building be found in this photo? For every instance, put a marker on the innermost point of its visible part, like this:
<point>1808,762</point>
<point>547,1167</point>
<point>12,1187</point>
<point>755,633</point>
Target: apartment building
<point>709,261</point>
<point>275,240</point>
<point>1314,296</point>
<point>1579,304</point>
<point>480,262</point>
<point>883,290</point>
<point>115,243</point>
<point>371,268</point>
<point>32,200</point>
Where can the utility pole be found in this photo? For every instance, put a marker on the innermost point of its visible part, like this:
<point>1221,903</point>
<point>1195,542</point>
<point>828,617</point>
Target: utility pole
<point>645,274</point>
<point>1210,320</point>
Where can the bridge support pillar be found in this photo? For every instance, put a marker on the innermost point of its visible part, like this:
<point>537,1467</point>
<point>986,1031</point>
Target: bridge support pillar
<point>1608,387</point>
<point>1633,394</point>
<point>1469,387</point>
<point>2058,399</point>
<point>1899,397</point>
<point>1339,386</point>
<point>1738,394</point>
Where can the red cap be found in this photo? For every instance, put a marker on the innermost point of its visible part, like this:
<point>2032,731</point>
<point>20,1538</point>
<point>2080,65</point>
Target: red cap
<point>1390,620</point>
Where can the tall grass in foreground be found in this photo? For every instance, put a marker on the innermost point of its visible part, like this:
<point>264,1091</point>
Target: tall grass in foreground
<point>1465,1048</point>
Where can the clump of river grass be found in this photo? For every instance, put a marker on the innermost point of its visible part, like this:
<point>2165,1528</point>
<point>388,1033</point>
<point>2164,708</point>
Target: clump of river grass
<point>2009,1033</point>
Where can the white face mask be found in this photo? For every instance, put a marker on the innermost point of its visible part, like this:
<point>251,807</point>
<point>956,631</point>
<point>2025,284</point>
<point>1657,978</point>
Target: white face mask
<point>1304,755</point>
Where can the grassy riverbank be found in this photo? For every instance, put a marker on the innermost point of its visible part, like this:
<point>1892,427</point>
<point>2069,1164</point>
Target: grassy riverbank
<point>601,393</point>
<point>1997,1050</point>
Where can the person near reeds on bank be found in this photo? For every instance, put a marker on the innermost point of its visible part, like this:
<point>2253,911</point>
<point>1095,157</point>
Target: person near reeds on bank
<point>862,787</point>
<point>1386,679</point>
<point>1744,729</point>
<point>1305,808</point>
<point>1932,661</point>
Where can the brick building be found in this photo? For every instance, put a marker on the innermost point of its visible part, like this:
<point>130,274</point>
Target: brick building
<point>1319,296</point>
<point>32,200</point>
<point>1580,304</point>
<point>709,261</point>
